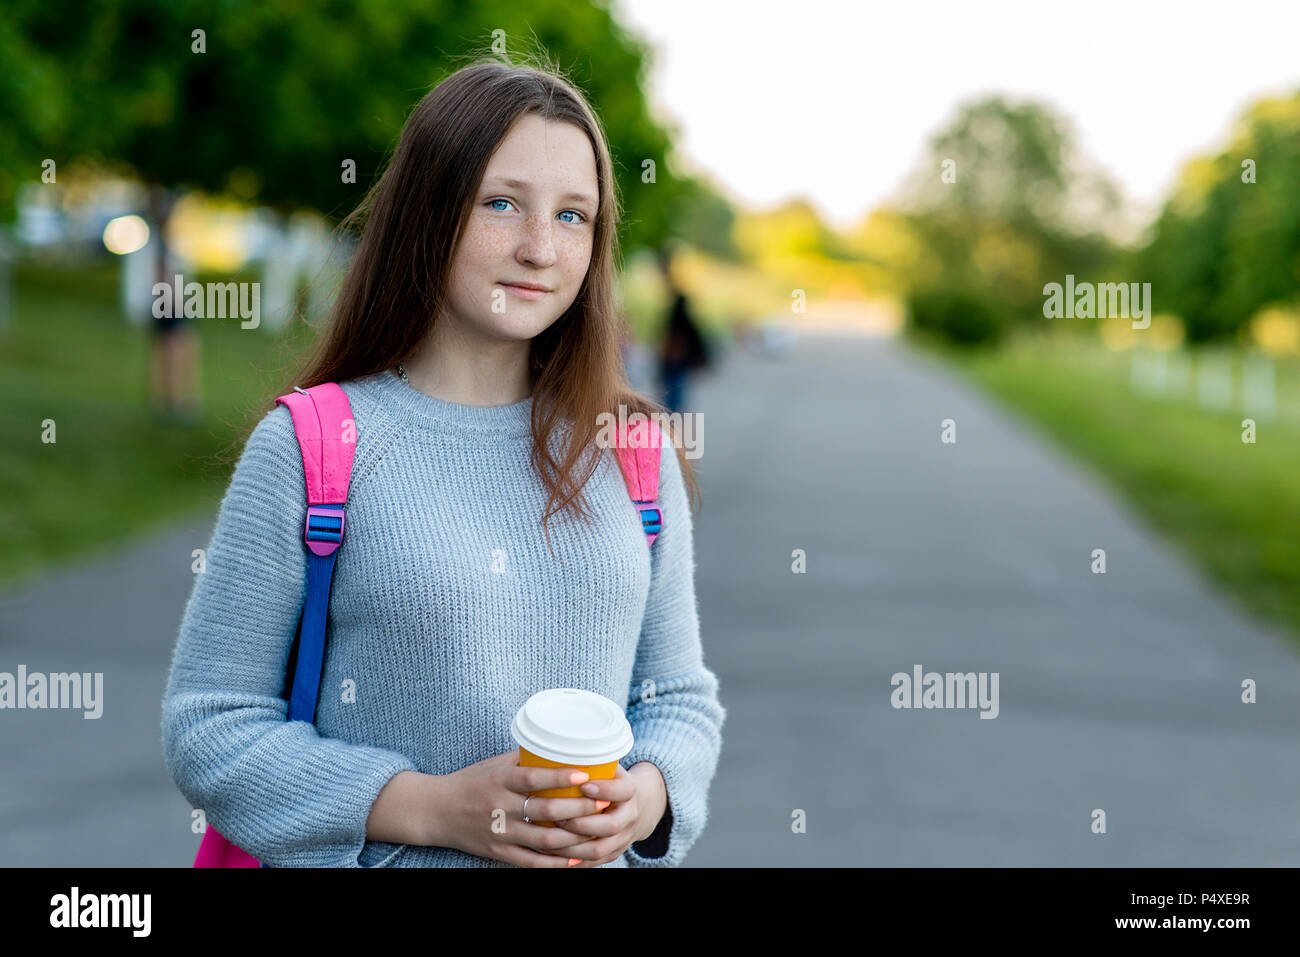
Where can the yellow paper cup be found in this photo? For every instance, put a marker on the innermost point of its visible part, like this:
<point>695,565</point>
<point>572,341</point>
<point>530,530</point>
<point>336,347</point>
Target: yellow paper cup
<point>571,728</point>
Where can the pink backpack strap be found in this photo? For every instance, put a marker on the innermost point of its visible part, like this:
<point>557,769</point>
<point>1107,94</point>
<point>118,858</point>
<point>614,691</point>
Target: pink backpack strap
<point>638,451</point>
<point>327,434</point>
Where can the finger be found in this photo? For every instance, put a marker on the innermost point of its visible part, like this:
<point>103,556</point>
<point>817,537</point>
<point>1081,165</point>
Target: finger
<point>615,789</point>
<point>561,809</point>
<point>522,856</point>
<point>545,838</point>
<point>525,779</point>
<point>601,847</point>
<point>619,817</point>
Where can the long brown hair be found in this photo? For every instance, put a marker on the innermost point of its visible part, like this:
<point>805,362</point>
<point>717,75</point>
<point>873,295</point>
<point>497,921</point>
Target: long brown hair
<point>411,221</point>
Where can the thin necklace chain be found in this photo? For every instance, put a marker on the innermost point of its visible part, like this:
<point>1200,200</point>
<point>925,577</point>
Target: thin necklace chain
<point>402,373</point>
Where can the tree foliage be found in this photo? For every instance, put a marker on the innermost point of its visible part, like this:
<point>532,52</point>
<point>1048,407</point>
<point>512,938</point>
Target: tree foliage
<point>1002,202</point>
<point>1224,247</point>
<point>287,90</point>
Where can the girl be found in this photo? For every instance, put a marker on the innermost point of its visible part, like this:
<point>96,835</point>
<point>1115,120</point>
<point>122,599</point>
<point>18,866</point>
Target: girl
<point>476,338</point>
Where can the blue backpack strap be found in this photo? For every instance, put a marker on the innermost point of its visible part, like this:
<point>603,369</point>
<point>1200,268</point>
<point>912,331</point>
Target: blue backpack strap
<point>321,526</point>
<point>327,437</point>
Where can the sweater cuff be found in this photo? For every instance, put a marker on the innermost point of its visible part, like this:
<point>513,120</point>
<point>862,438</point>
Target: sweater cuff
<point>656,845</point>
<point>686,810</point>
<point>359,775</point>
<point>276,789</point>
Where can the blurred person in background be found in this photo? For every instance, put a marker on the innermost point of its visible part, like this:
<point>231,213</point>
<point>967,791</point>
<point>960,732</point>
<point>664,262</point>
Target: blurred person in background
<point>684,348</point>
<point>174,352</point>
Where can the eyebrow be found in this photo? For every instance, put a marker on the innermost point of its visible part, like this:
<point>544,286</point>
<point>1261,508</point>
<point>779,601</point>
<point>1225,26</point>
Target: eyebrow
<point>520,184</point>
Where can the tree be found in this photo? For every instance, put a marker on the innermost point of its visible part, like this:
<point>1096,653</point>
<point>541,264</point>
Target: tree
<point>1004,202</point>
<point>270,99</point>
<point>1227,242</point>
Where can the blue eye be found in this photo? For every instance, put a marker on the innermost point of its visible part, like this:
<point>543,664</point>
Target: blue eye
<point>571,222</point>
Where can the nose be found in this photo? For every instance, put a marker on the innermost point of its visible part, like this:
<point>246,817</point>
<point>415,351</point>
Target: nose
<point>536,244</point>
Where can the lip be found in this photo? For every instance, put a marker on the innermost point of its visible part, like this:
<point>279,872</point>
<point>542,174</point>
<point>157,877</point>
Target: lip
<point>526,290</point>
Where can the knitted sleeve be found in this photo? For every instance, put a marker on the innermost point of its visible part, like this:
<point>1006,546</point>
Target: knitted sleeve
<point>673,702</point>
<point>275,788</point>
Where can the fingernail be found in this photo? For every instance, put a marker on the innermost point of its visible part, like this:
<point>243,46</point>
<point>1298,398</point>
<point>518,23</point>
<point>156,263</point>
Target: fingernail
<point>590,789</point>
<point>601,805</point>
<point>577,777</point>
<point>574,860</point>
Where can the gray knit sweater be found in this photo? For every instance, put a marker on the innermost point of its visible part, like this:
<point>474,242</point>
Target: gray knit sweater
<point>447,612</point>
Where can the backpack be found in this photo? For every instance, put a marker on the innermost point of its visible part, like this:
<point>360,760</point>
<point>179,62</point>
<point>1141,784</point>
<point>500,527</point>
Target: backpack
<point>326,432</point>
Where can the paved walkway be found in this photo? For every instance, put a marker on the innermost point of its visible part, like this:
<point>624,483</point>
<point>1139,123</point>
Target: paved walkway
<point>1118,691</point>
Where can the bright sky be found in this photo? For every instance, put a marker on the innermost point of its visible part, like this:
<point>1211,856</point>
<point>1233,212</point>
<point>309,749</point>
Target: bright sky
<point>834,100</point>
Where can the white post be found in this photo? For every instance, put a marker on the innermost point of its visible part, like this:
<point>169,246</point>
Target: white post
<point>1258,386</point>
<point>1214,381</point>
<point>1150,372</point>
<point>1159,371</point>
<point>279,275</point>
<point>1179,373</point>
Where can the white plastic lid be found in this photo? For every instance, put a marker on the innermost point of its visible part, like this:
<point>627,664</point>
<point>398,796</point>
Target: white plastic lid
<point>572,726</point>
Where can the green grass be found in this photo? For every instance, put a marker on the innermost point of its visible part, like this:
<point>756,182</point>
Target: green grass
<point>1233,507</point>
<point>112,473</point>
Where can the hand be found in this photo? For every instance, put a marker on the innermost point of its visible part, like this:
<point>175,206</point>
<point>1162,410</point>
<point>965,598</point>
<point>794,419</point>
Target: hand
<point>640,799</point>
<point>480,811</point>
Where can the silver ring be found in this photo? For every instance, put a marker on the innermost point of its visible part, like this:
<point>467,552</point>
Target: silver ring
<point>527,819</point>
